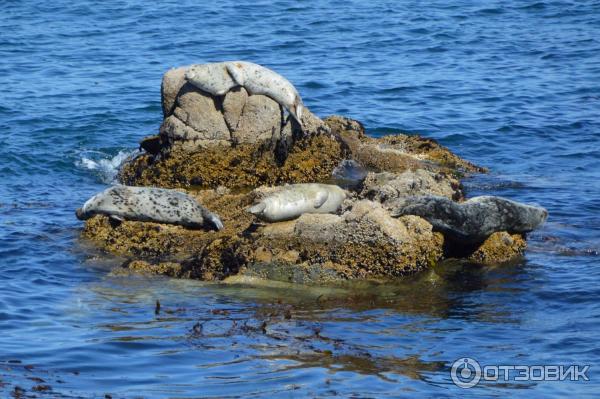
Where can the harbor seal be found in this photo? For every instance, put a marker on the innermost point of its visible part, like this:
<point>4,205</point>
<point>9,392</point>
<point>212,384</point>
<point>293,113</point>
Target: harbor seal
<point>291,201</point>
<point>474,220</point>
<point>149,204</point>
<point>212,78</point>
<point>220,77</point>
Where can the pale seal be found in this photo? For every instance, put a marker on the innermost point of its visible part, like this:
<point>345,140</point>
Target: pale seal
<point>220,77</point>
<point>291,201</point>
<point>149,204</point>
<point>212,78</point>
<point>474,220</point>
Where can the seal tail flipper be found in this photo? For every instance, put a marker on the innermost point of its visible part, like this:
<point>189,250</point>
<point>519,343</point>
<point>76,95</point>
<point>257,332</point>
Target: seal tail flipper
<point>321,199</point>
<point>257,209</point>
<point>217,223</point>
<point>296,112</point>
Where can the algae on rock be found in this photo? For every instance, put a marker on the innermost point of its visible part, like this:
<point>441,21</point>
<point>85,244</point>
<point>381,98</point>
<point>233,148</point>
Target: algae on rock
<point>221,148</point>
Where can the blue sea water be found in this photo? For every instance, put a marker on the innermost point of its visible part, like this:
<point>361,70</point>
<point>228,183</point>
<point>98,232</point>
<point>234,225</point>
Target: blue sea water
<point>510,85</point>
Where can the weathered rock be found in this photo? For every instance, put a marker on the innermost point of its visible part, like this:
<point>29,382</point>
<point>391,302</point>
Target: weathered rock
<point>498,248</point>
<point>235,143</point>
<point>260,120</point>
<point>311,159</point>
<point>195,120</point>
<point>233,105</point>
<point>339,124</point>
<point>199,111</point>
<point>312,124</point>
<point>386,186</point>
<point>365,242</point>
<point>177,134</point>
<point>171,269</point>
<point>172,82</point>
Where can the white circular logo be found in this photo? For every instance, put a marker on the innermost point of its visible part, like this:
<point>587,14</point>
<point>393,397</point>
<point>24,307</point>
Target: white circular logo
<point>465,372</point>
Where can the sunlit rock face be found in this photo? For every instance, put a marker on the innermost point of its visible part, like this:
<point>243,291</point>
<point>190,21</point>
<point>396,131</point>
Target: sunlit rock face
<point>223,150</point>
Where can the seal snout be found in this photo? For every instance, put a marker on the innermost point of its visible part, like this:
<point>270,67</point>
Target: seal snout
<point>79,213</point>
<point>216,222</point>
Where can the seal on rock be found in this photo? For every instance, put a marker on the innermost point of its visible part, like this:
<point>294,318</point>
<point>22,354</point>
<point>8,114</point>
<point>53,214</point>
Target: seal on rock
<point>212,78</point>
<point>291,201</point>
<point>220,77</point>
<point>149,204</point>
<point>474,220</point>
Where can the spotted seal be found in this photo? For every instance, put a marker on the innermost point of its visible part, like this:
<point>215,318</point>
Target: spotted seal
<point>220,77</point>
<point>212,78</point>
<point>149,204</point>
<point>291,201</point>
<point>474,220</point>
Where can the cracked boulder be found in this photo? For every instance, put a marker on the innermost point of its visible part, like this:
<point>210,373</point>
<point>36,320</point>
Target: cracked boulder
<point>195,119</point>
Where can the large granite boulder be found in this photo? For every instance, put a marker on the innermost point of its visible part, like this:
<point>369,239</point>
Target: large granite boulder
<point>195,119</point>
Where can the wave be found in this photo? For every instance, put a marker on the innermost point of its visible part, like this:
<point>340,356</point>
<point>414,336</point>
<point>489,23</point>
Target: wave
<point>105,165</point>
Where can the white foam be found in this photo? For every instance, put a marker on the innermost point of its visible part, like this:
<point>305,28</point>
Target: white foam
<point>105,165</point>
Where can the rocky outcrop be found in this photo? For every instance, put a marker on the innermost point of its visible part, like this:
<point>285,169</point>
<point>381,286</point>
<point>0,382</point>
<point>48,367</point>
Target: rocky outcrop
<point>226,150</point>
<point>364,242</point>
<point>194,119</point>
<point>500,247</point>
<point>386,187</point>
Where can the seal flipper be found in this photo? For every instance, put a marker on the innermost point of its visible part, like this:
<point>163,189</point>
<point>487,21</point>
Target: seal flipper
<point>321,199</point>
<point>236,73</point>
<point>115,221</point>
<point>257,209</point>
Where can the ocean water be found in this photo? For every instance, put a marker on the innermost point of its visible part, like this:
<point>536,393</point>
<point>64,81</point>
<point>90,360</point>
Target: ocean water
<point>510,85</point>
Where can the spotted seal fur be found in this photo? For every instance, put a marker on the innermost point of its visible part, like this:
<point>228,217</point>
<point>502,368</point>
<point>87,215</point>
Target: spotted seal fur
<point>220,77</point>
<point>149,204</point>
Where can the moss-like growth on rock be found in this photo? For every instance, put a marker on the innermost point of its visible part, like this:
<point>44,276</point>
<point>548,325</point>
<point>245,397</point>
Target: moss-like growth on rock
<point>398,152</point>
<point>498,248</point>
<point>312,158</point>
<point>362,242</point>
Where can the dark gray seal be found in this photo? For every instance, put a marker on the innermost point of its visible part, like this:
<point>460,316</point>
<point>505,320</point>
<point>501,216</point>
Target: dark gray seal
<point>474,220</point>
<point>149,204</point>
